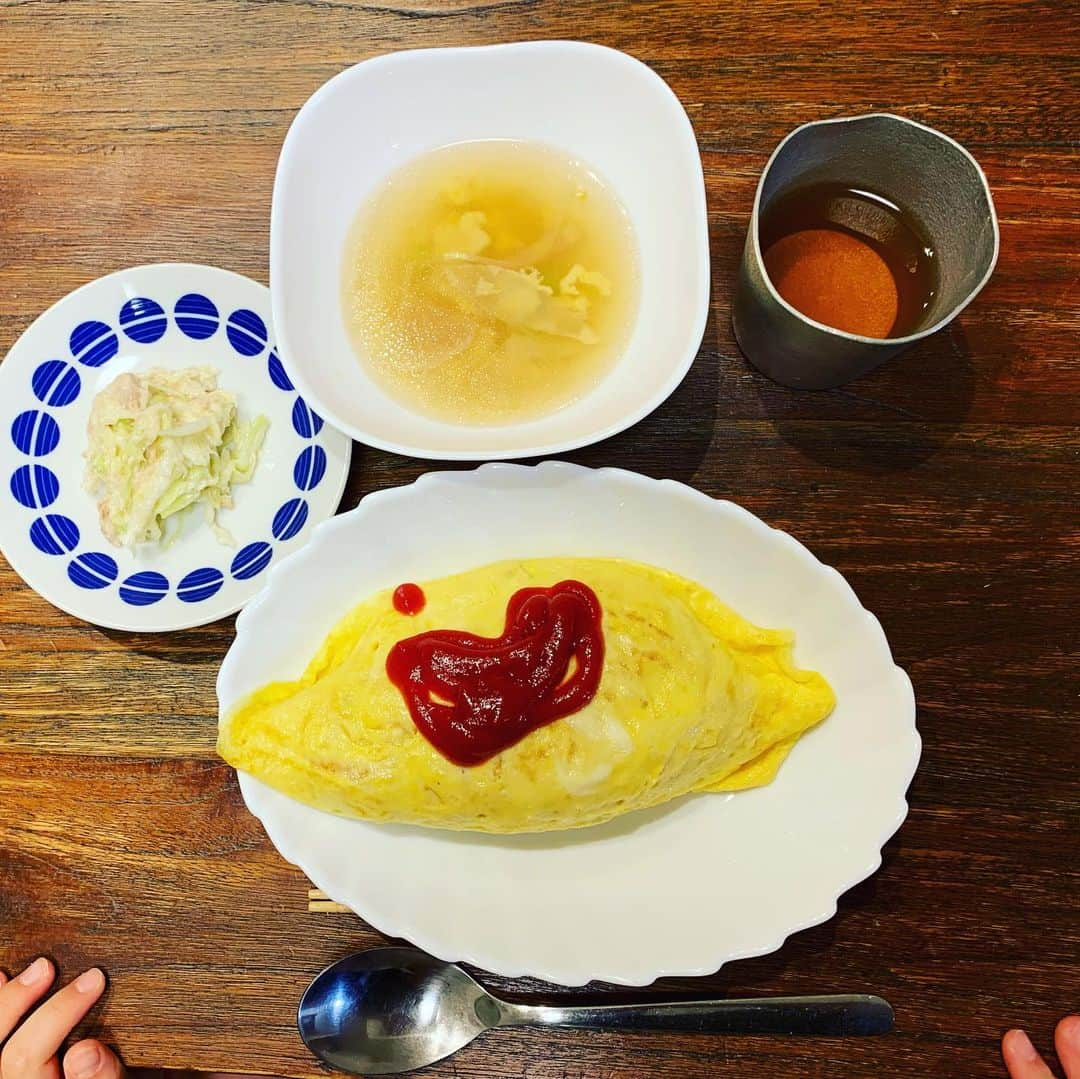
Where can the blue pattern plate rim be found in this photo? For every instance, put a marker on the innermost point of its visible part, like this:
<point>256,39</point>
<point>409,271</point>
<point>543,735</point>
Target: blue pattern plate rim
<point>171,315</point>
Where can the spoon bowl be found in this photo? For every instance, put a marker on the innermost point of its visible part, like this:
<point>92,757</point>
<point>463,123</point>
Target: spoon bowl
<point>389,1010</point>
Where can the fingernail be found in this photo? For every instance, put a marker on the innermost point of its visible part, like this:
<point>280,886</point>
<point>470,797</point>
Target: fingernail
<point>83,1061</point>
<point>90,981</point>
<point>1022,1047</point>
<point>35,973</point>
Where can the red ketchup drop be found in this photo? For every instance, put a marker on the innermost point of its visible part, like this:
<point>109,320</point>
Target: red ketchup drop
<point>409,599</point>
<point>473,697</point>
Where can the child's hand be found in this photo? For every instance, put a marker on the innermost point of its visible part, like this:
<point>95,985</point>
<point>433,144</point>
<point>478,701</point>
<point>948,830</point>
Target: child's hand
<point>1021,1058</point>
<point>32,1036</point>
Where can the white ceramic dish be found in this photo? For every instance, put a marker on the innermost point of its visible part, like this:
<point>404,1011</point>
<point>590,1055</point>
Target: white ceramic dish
<point>601,106</point>
<point>675,891</point>
<point>169,315</point>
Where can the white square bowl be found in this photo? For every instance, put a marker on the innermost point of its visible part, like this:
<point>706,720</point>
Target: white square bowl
<point>598,105</point>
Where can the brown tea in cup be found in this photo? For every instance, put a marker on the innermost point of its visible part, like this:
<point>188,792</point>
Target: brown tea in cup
<point>849,258</point>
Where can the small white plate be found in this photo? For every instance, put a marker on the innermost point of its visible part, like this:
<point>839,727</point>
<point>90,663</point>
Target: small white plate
<point>678,890</point>
<point>169,315</point>
<point>598,105</point>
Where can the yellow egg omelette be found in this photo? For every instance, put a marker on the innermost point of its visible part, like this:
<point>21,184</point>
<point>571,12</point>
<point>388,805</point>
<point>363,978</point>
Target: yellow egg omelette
<point>692,698</point>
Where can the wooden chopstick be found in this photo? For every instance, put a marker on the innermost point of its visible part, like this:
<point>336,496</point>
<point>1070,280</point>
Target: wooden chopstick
<point>319,902</point>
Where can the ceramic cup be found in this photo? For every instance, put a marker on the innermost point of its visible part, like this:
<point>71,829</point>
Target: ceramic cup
<point>927,174</point>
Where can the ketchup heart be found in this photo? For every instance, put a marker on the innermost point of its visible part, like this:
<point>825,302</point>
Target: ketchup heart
<point>472,697</point>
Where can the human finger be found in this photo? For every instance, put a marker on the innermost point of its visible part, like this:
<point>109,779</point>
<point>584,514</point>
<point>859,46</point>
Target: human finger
<point>20,994</point>
<point>1020,1056</point>
<point>1067,1044</point>
<point>90,1059</point>
<point>31,1051</point>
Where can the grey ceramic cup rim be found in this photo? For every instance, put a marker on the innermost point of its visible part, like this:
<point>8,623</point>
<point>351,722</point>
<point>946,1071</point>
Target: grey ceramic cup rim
<point>895,342</point>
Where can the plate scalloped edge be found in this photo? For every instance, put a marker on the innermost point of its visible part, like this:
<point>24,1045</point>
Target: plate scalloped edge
<point>253,790</point>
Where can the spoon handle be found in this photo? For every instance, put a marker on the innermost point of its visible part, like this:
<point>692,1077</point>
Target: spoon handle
<point>830,1015</point>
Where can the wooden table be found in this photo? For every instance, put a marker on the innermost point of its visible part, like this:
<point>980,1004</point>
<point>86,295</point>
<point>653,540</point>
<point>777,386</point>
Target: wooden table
<point>944,487</point>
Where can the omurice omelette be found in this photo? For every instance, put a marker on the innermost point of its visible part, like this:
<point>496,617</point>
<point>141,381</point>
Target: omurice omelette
<point>527,696</point>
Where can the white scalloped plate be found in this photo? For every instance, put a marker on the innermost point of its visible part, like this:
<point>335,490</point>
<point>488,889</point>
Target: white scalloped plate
<point>679,890</point>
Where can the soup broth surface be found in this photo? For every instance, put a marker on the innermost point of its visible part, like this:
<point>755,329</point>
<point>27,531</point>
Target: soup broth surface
<point>490,282</point>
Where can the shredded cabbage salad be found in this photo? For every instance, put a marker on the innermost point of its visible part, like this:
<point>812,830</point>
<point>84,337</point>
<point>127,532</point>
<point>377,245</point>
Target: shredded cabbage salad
<point>161,441</point>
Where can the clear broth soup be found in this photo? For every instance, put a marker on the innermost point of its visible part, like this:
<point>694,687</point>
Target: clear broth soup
<point>490,282</point>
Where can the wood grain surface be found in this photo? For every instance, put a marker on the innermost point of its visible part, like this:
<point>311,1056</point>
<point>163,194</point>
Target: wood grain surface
<point>944,486</point>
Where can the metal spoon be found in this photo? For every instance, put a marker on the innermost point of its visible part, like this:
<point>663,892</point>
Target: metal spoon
<point>391,1010</point>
